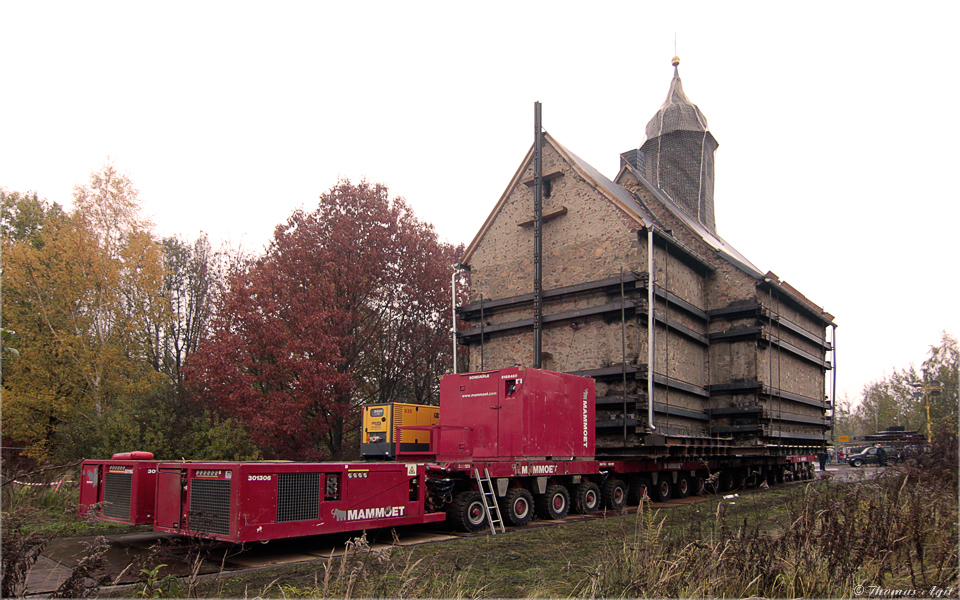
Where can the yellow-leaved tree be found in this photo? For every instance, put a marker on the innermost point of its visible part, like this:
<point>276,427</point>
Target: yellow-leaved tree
<point>81,290</point>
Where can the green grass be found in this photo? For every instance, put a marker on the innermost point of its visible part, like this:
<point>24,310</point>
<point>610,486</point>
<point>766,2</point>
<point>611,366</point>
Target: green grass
<point>51,512</point>
<point>552,561</point>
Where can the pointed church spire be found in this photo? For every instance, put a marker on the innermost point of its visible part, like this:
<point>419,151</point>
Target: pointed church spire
<point>676,113</point>
<point>678,153</point>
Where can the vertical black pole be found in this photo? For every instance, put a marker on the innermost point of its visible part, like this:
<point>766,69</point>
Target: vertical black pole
<point>481,333</point>
<point>537,236</point>
<point>623,352</point>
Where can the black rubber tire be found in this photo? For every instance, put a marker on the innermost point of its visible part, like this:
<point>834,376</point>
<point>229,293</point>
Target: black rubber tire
<point>714,487</point>
<point>726,482</point>
<point>662,490</point>
<point>857,463</point>
<point>466,512</point>
<point>681,489</point>
<point>698,485</point>
<point>586,498</point>
<point>614,494</point>
<point>554,504</point>
<point>517,506</point>
<point>739,479</point>
<point>640,487</point>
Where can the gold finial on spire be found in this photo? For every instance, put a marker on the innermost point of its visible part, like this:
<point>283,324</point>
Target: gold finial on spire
<point>675,61</point>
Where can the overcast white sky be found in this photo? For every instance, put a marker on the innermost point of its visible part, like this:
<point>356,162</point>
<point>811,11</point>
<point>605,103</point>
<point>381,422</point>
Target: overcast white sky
<point>836,123</point>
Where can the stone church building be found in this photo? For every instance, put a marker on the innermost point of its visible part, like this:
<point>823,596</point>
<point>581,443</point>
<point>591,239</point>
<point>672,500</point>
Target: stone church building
<point>740,359</point>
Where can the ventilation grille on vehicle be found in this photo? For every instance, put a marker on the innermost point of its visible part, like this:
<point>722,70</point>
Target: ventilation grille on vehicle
<point>210,506</point>
<point>116,495</point>
<point>298,497</point>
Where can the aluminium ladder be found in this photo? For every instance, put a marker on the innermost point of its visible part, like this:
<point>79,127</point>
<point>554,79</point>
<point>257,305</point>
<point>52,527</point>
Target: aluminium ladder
<point>490,505</point>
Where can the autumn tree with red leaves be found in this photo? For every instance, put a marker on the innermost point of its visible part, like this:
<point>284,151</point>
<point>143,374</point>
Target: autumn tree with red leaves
<point>349,305</point>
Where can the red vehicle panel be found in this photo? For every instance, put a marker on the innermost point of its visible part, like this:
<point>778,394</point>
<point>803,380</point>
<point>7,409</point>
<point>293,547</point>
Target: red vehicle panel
<point>515,413</point>
<point>242,502</point>
<point>124,490</point>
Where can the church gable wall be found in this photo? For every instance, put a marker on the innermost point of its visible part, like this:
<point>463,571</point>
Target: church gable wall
<point>592,240</point>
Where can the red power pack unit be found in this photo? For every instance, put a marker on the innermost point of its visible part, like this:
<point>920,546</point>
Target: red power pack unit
<point>123,490</point>
<point>245,502</point>
<point>516,413</point>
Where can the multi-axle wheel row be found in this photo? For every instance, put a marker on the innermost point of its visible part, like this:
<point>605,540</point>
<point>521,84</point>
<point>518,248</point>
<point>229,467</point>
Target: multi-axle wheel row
<point>519,505</point>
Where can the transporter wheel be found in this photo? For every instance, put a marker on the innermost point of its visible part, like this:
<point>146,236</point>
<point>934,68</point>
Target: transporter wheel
<point>467,512</point>
<point>712,484</point>
<point>614,493</point>
<point>698,485</point>
<point>586,498</point>
<point>518,506</point>
<point>739,479</point>
<point>857,463</point>
<point>553,504</point>
<point>640,489</point>
<point>772,476</point>
<point>682,488</point>
<point>663,489</point>
<point>726,481</point>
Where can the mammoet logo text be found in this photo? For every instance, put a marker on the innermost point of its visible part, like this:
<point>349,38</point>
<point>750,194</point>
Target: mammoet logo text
<point>537,470</point>
<point>586,434</point>
<point>382,512</point>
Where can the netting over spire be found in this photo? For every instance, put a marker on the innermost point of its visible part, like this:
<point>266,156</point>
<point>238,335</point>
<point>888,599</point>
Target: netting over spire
<point>678,155</point>
<point>676,114</point>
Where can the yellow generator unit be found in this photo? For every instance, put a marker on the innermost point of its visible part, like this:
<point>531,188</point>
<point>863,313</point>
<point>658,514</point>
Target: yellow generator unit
<point>380,423</point>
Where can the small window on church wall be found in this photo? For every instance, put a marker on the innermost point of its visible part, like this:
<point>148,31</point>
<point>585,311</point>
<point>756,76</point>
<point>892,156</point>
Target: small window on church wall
<point>546,188</point>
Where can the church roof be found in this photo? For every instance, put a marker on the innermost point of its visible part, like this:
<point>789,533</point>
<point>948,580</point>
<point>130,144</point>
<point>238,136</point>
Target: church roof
<point>627,199</point>
<point>718,244</point>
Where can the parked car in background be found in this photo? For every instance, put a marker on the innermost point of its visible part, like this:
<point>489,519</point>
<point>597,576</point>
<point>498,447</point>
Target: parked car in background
<point>869,456</point>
